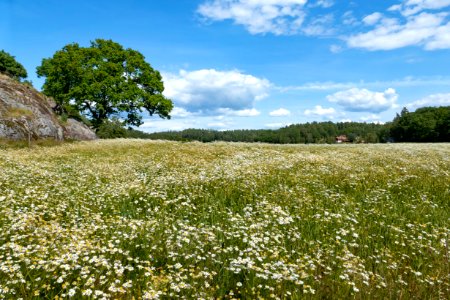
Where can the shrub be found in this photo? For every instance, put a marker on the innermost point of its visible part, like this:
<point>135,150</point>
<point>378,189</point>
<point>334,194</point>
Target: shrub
<point>111,129</point>
<point>10,67</point>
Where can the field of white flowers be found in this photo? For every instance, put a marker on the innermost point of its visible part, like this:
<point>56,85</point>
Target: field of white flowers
<point>140,219</point>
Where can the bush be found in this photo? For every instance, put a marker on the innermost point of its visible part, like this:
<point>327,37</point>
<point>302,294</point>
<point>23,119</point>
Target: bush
<point>10,67</point>
<point>111,129</point>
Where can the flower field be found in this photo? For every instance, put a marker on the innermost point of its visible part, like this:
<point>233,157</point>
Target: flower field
<point>124,219</point>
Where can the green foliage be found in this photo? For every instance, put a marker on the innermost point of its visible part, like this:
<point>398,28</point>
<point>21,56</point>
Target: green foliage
<point>10,67</point>
<point>20,144</point>
<point>66,111</point>
<point>309,133</point>
<point>111,129</point>
<point>137,134</point>
<point>28,83</point>
<point>104,80</point>
<point>17,112</point>
<point>427,124</point>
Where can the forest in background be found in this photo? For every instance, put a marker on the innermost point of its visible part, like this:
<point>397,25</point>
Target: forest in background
<point>427,124</point>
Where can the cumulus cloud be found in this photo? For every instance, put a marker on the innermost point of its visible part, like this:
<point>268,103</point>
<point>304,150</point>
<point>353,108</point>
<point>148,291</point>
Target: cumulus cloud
<point>431,100</point>
<point>429,30</point>
<point>281,112</point>
<point>320,111</point>
<point>421,23</point>
<point>258,16</point>
<point>364,100</point>
<point>209,91</point>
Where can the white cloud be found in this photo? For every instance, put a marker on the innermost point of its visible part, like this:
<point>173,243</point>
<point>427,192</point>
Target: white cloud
<point>180,112</point>
<point>364,100</point>
<point>258,16</point>
<point>346,121</point>
<point>349,19</point>
<point>372,118</point>
<point>424,29</point>
<point>431,100</point>
<point>219,125</point>
<point>422,23</point>
<point>281,112</point>
<point>336,48</point>
<point>441,39</point>
<point>372,19</point>
<point>324,3</point>
<point>208,91</point>
<point>396,7</point>
<point>411,7</point>
<point>320,26</point>
<point>317,86</point>
<point>239,113</point>
<point>276,125</point>
<point>321,111</point>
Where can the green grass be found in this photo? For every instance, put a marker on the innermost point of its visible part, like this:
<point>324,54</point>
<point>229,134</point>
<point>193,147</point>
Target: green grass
<point>17,112</point>
<point>147,219</point>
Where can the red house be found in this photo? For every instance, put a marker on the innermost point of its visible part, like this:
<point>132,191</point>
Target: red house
<point>342,139</point>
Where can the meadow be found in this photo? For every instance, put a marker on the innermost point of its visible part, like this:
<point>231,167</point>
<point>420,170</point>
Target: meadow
<point>135,219</point>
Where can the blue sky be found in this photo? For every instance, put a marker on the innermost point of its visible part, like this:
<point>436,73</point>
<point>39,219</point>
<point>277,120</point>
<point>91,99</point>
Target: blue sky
<point>231,64</point>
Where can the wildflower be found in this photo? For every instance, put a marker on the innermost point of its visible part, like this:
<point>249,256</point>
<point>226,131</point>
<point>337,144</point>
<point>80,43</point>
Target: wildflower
<point>178,266</point>
<point>71,293</point>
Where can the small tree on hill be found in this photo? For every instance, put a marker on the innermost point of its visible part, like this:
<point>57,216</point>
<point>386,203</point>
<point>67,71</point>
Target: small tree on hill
<point>102,81</point>
<point>10,67</point>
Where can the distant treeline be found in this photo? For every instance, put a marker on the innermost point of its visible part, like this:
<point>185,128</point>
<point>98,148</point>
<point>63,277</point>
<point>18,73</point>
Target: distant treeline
<point>428,124</point>
<point>309,133</point>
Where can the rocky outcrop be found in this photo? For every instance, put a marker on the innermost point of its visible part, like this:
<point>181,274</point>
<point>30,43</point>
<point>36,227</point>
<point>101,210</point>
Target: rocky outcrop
<point>27,114</point>
<point>75,130</point>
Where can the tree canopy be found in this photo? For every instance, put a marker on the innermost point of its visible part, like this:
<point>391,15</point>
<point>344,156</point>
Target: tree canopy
<point>10,67</point>
<point>426,124</point>
<point>102,81</point>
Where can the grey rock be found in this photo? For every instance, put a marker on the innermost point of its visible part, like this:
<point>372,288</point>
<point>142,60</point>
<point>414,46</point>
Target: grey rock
<point>27,114</point>
<point>75,130</point>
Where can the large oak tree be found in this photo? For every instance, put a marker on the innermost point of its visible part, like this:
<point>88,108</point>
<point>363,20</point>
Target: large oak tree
<point>104,80</point>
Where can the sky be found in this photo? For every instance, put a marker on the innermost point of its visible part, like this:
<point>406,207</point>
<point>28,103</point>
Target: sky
<point>257,64</point>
